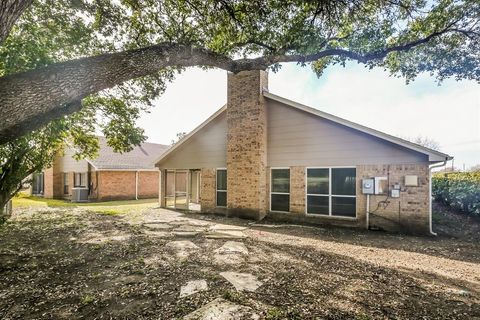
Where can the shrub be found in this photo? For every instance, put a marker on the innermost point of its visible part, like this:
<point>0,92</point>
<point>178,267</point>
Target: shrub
<point>459,190</point>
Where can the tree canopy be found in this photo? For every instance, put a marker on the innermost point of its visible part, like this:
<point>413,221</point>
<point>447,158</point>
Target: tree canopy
<point>136,46</point>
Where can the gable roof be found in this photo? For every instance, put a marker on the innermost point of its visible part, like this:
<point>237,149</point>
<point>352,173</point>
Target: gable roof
<point>189,135</point>
<point>140,158</point>
<point>433,155</point>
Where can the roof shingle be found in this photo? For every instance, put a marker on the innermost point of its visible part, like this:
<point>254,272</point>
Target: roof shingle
<point>141,157</point>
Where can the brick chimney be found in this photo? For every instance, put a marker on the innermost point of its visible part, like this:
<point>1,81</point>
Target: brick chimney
<point>247,144</point>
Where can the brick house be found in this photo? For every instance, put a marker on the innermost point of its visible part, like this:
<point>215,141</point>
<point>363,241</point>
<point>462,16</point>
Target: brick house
<point>264,155</point>
<point>111,176</point>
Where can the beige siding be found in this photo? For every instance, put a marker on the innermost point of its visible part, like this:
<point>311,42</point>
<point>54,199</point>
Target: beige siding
<point>296,138</point>
<point>67,163</point>
<point>205,149</point>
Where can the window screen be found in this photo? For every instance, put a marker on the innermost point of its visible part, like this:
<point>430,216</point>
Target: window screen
<point>221,187</point>
<point>65,183</point>
<point>280,190</point>
<point>80,179</point>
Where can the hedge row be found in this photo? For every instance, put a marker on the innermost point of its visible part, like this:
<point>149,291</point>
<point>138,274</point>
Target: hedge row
<point>459,190</point>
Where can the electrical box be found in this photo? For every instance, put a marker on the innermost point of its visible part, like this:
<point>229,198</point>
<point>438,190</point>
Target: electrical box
<point>381,185</point>
<point>367,186</point>
<point>411,181</point>
<point>395,193</point>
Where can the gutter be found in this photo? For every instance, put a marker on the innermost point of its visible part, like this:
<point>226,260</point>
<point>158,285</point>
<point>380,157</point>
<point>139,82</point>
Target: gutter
<point>430,192</point>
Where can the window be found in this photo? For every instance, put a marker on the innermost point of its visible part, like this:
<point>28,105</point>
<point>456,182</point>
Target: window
<point>80,179</point>
<point>221,187</point>
<point>37,183</point>
<point>280,190</point>
<point>331,191</point>
<point>65,183</point>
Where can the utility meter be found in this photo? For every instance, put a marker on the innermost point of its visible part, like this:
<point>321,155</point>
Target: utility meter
<point>367,186</point>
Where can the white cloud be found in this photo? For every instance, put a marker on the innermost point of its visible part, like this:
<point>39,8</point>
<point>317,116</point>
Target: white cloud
<point>449,114</point>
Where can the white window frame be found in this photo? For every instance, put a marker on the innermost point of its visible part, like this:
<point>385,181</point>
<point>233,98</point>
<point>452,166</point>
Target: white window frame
<point>285,193</point>
<point>65,183</point>
<point>216,186</point>
<point>329,195</point>
<point>83,179</point>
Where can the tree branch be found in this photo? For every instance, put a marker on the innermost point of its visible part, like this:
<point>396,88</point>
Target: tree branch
<point>31,99</point>
<point>10,11</point>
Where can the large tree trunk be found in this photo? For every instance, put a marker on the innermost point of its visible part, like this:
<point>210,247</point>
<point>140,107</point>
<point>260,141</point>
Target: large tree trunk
<point>5,208</point>
<point>31,99</point>
<point>10,11</point>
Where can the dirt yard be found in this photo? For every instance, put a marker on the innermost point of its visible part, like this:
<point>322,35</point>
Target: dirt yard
<point>150,263</point>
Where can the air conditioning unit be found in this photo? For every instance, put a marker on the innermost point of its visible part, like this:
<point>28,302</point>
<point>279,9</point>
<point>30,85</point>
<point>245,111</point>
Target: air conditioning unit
<point>79,194</point>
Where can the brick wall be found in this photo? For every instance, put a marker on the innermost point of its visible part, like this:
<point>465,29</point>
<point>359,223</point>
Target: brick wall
<point>297,190</point>
<point>53,185</point>
<point>246,144</point>
<point>117,185</point>
<point>409,212</point>
<point>148,184</point>
<point>207,190</point>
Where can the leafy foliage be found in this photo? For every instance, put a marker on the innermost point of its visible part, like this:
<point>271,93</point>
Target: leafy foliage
<point>405,37</point>
<point>460,190</point>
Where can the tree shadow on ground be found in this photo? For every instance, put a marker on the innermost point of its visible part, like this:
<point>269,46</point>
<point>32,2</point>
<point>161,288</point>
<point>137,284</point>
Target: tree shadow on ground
<point>95,266</point>
<point>458,235</point>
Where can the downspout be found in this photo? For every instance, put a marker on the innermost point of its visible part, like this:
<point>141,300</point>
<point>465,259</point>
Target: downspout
<point>368,212</point>
<point>136,185</point>
<point>430,192</point>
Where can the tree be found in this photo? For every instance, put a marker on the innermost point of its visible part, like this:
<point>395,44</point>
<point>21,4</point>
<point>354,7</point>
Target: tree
<point>113,112</point>
<point>141,39</point>
<point>426,142</point>
<point>180,136</point>
<point>10,11</point>
<point>475,168</point>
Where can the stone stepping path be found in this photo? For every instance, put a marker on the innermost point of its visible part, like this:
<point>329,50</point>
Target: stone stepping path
<point>185,234</point>
<point>242,281</point>
<point>193,287</point>
<point>232,247</point>
<point>225,234</point>
<point>221,309</point>
<point>159,234</point>
<point>232,252</point>
<point>157,226</point>
<point>183,248</point>
<point>223,227</point>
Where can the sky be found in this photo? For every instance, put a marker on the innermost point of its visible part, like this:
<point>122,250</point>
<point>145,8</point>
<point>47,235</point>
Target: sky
<point>448,114</point>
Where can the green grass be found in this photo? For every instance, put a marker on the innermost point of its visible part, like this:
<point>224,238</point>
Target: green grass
<point>108,207</point>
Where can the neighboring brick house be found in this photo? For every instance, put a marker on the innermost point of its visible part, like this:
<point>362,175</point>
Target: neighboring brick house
<point>262,154</point>
<point>111,176</point>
